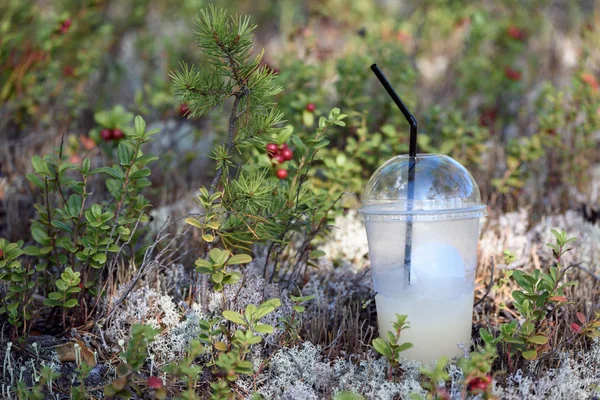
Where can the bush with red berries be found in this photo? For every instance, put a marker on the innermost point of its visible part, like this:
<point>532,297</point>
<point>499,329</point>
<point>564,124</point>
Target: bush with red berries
<point>279,154</point>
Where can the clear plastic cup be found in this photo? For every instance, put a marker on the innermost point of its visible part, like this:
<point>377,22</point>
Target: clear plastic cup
<point>424,251</point>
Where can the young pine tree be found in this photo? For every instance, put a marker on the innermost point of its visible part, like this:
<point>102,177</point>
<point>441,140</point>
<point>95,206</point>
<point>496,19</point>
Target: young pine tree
<point>246,203</point>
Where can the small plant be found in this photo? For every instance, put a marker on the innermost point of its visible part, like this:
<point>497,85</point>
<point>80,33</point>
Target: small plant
<point>231,360</point>
<point>589,328</point>
<point>42,387</point>
<point>540,297</point>
<point>68,286</point>
<point>187,369</point>
<point>477,372</point>
<point>19,285</point>
<point>431,382</point>
<point>133,360</point>
<point>216,267</point>
<point>291,323</point>
<point>389,347</point>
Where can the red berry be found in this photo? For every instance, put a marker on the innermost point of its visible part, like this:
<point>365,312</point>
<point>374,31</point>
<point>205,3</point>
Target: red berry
<point>106,135</point>
<point>118,134</point>
<point>271,149</point>
<point>154,382</point>
<point>515,33</point>
<point>184,109</point>
<point>282,173</point>
<point>287,154</point>
<point>1,253</point>
<point>479,385</point>
<point>66,24</point>
<point>68,70</point>
<point>512,74</point>
<point>283,146</point>
<point>487,117</point>
<point>310,107</point>
<point>279,158</point>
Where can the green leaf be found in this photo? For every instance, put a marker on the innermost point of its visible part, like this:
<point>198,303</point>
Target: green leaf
<point>263,328</point>
<point>125,153</point>
<point>232,278</point>
<point>220,346</point>
<point>218,256</point>
<point>55,296</point>
<point>322,143</point>
<point>299,309</point>
<point>62,226</point>
<point>234,317</point>
<point>61,285</point>
<point>208,238</point>
<point>530,355</point>
<point>146,159</point>
<point>514,340</point>
<point>31,251</point>
<point>217,277</point>
<point>99,258</point>
<point>140,125</point>
<point>203,263</point>
<point>193,222</point>
<point>239,259</point>
<point>405,346</point>
<point>538,339</point>
<point>382,347</point>
<point>39,165</point>
<point>317,254</point>
<point>70,303</point>
<point>142,173</point>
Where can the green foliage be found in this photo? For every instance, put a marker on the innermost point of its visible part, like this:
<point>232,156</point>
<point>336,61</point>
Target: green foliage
<point>68,286</point>
<point>291,323</point>
<point>431,381</point>
<point>476,371</point>
<point>76,229</point>
<point>540,297</point>
<point>389,347</point>
<point>216,267</point>
<point>187,370</point>
<point>17,302</point>
<point>42,387</point>
<point>133,360</point>
<point>231,359</point>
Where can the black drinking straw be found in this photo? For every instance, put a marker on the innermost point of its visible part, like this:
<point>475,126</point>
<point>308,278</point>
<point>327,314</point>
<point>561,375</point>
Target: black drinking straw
<point>412,152</point>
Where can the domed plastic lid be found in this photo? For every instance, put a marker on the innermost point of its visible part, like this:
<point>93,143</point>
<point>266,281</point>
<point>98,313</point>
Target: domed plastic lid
<point>443,189</point>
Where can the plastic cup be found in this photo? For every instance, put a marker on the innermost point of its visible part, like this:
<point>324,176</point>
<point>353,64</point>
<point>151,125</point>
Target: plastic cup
<point>435,286</point>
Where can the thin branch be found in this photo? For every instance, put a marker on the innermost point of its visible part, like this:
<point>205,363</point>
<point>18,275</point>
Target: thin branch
<point>489,287</point>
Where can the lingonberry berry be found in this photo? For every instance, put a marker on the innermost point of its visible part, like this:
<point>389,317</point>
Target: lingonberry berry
<point>310,107</point>
<point>282,173</point>
<point>279,158</point>
<point>118,134</point>
<point>512,74</point>
<point>106,134</point>
<point>271,149</point>
<point>479,385</point>
<point>68,70</point>
<point>1,253</point>
<point>287,154</point>
<point>515,33</point>
<point>154,382</point>
<point>66,24</point>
